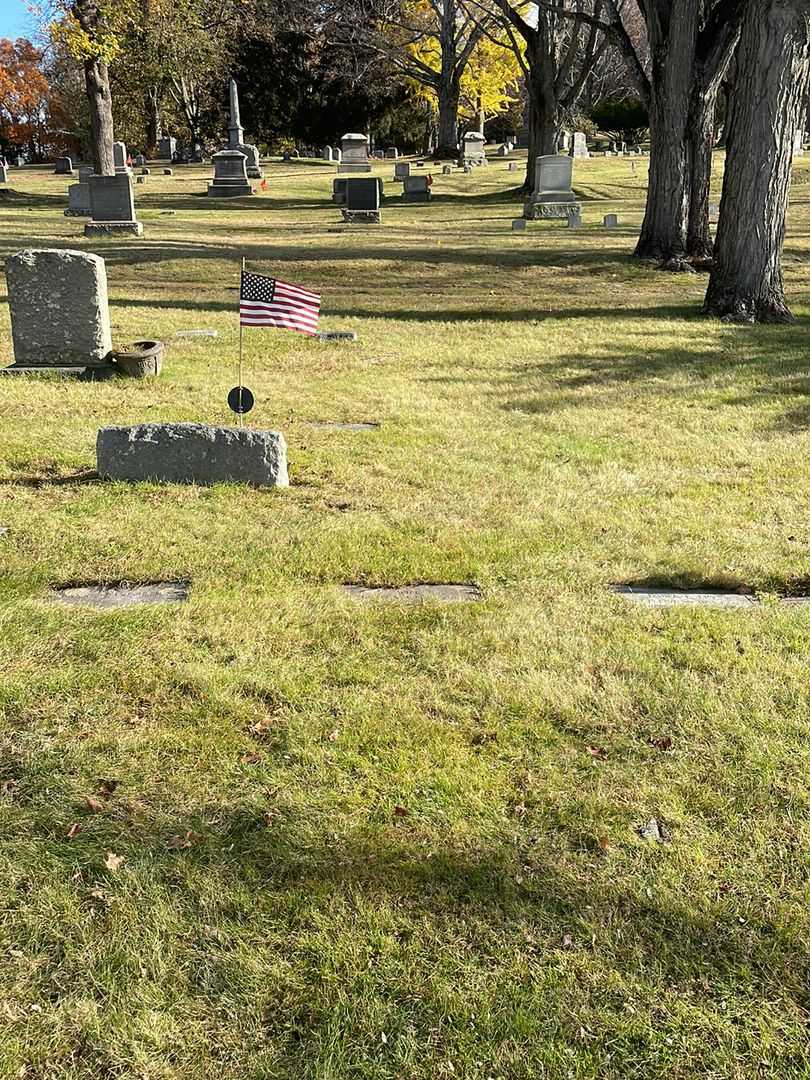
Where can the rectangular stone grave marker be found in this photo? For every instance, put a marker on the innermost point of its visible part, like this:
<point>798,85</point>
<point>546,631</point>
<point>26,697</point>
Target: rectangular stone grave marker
<point>519,225</point>
<point>192,454</point>
<point>166,148</point>
<point>610,221</point>
<point>580,145</point>
<point>472,149</point>
<point>362,200</point>
<point>79,200</point>
<point>63,166</point>
<point>59,309</point>
<point>230,175</point>
<point>120,157</point>
<point>112,205</point>
<point>416,189</point>
<point>402,169</point>
<point>3,174</point>
<point>552,195</point>
<point>354,154</point>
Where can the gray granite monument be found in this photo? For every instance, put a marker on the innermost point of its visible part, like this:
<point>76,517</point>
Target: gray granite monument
<point>354,154</point>
<point>472,149</point>
<point>362,200</point>
<point>416,189</point>
<point>236,137</point>
<point>580,149</point>
<point>230,175</point>
<point>167,147</point>
<point>59,310</point>
<point>63,166</point>
<point>552,195</point>
<point>120,157</point>
<point>112,207</point>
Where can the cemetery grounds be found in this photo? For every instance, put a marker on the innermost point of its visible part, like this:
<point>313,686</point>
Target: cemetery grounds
<point>278,833</point>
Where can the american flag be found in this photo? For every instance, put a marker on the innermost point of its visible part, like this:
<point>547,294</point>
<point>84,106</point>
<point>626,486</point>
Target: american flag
<point>266,301</point>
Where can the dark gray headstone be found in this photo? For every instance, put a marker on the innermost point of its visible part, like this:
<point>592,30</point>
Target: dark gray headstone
<point>362,193</point>
<point>230,175</point>
<point>112,205</point>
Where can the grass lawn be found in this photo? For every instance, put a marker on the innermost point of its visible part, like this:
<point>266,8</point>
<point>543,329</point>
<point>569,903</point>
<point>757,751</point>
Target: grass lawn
<point>277,833</point>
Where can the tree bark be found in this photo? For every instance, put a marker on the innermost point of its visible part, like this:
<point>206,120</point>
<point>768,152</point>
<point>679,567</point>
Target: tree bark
<point>700,143</point>
<point>746,282</point>
<point>544,120</point>
<point>673,35</point>
<point>97,87</point>
<point>448,93</point>
<point>154,127</point>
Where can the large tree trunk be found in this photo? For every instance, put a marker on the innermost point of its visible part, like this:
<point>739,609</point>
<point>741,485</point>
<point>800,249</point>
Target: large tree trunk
<point>97,86</point>
<point>448,93</point>
<point>700,143</point>
<point>672,46</point>
<point>544,120</point>
<point>746,283</point>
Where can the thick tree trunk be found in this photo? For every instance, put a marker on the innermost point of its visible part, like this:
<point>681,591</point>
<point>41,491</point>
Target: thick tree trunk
<point>97,87</point>
<point>746,283</point>
<point>700,143</point>
<point>544,120</point>
<point>672,46</point>
<point>448,93</point>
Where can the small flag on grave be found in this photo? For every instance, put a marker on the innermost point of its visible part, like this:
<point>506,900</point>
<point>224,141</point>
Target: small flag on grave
<point>263,185</point>
<point>266,301</point>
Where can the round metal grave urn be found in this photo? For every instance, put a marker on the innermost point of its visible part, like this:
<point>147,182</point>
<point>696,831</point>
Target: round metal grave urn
<point>140,359</point>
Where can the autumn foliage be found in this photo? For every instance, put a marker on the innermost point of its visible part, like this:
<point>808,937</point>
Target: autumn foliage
<point>31,119</point>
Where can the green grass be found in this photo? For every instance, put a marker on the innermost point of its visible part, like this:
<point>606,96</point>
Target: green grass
<point>401,860</point>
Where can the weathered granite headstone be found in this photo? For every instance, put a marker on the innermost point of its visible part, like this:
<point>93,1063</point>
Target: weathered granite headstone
<point>402,169</point>
<point>447,170</point>
<point>416,189</point>
<point>112,206</point>
<point>140,160</point>
<point>392,152</point>
<point>230,175</point>
<point>565,142</point>
<point>168,172</point>
<point>574,216</point>
<point>63,166</point>
<point>167,147</point>
<point>519,225</point>
<point>362,200</point>
<point>552,195</point>
<point>236,137</point>
<point>503,150</point>
<point>354,154</point>
<point>193,454</point>
<point>59,309</point>
<point>3,174</point>
<point>472,149</point>
<point>580,145</point>
<point>328,154</point>
<point>120,157</point>
<point>79,200</point>
<point>610,221</point>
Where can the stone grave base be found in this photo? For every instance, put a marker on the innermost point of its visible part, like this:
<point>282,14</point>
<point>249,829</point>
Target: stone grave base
<point>416,196</point>
<point>92,372</point>
<point>229,191</point>
<point>113,228</point>
<point>336,335</point>
<point>353,169</point>
<point>123,594</point>
<point>79,211</point>
<point>361,217</point>
<point>192,454</point>
<point>534,210</point>
<point>416,594</point>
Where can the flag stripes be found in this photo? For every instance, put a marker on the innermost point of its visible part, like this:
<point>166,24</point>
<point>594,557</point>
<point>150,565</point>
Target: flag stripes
<point>266,301</point>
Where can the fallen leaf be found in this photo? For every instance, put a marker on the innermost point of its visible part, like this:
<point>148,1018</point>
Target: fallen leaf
<point>252,758</point>
<point>261,727</point>
<point>95,806</point>
<point>333,736</point>
<point>106,788</point>
<point>401,811</point>
<point>186,840</point>
<point>666,742</point>
<point>7,788</point>
<point>603,844</point>
<point>74,830</point>
<point>597,752</point>
<point>97,893</point>
<point>113,861</point>
<point>567,941</point>
<point>483,737</point>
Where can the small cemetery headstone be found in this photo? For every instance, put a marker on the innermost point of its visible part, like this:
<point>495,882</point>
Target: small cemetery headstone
<point>145,171</point>
<point>354,154</point>
<point>447,170</point>
<point>140,160</point>
<point>167,147</point>
<point>574,217</point>
<point>519,224</point>
<point>468,169</point>
<point>564,142</point>
<point>472,149</point>
<point>193,454</point>
<point>512,166</point>
<point>392,152</point>
<point>503,150</point>
<point>63,166</point>
<point>416,594</point>
<point>140,179</point>
<point>79,200</point>
<point>168,172</point>
<point>328,154</point>
<point>580,145</point>
<point>402,169</point>
<point>3,174</point>
<point>362,200</point>
<point>230,178</point>
<point>120,157</point>
<point>112,206</point>
<point>85,172</point>
<point>122,595</point>
<point>59,309</point>
<point>416,189</point>
<point>610,221</point>
<point>552,195</point>
<point>329,336</point>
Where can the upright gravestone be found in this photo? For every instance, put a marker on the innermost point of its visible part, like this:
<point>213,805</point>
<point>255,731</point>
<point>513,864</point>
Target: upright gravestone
<point>63,166</point>
<point>392,152</point>
<point>230,175</point>
<point>580,145</point>
<point>59,311</point>
<point>120,157</point>
<point>503,150</point>
<point>354,154</point>
<point>3,174</point>
<point>236,136</point>
<point>472,149</point>
<point>552,195</point>
<point>416,189</point>
<point>564,142</point>
<point>401,170</point>
<point>167,147</point>
<point>140,160</point>
<point>112,207</point>
<point>79,199</point>
<point>328,154</point>
<point>362,200</point>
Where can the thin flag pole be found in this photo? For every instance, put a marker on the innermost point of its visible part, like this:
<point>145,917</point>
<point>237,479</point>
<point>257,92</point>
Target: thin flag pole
<point>239,381</point>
